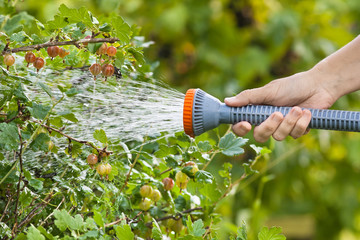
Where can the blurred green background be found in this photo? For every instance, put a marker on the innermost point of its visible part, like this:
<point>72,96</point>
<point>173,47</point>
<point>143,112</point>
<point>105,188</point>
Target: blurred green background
<point>311,187</point>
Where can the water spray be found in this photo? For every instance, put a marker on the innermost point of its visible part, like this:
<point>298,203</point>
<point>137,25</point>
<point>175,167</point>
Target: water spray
<point>203,112</point>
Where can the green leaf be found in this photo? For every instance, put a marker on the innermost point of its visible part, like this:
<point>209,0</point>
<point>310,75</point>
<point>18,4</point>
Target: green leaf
<point>9,136</point>
<point>100,135</point>
<point>72,92</point>
<point>165,150</point>
<point>77,222</point>
<point>76,15</point>
<point>204,176</point>
<point>40,143</point>
<point>204,146</point>
<point>273,233</point>
<point>248,170</point>
<point>19,37</point>
<point>46,89</point>
<point>138,55</point>
<point>171,162</point>
<point>105,27</point>
<point>45,233</point>
<point>242,233</point>
<point>156,231</point>
<point>34,234</point>
<point>69,116</point>
<point>211,191</point>
<point>62,219</point>
<point>180,203</point>
<point>93,47</point>
<point>122,29</point>
<point>39,111</point>
<point>198,228</point>
<point>98,219</point>
<point>231,145</point>
<point>124,232</point>
<point>37,184</point>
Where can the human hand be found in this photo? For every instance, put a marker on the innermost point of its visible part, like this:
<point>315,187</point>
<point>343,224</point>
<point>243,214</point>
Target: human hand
<point>305,89</point>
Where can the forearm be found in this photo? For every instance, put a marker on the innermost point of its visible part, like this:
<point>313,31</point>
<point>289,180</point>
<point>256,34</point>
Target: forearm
<point>339,73</point>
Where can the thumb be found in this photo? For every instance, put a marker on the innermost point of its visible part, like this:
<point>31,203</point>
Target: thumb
<point>250,96</point>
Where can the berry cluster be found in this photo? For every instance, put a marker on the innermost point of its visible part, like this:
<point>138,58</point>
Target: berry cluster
<point>149,194</point>
<point>103,169</point>
<point>106,69</point>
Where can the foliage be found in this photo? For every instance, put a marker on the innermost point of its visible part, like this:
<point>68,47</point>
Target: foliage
<point>47,188</point>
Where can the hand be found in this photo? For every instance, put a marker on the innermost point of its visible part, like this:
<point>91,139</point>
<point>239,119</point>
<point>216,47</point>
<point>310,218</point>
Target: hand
<point>304,89</point>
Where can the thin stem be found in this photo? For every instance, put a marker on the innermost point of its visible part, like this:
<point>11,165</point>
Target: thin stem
<point>165,171</point>
<point>215,152</point>
<point>270,166</point>
<point>228,190</point>
<point>90,144</point>
<point>20,178</point>
<point>130,170</point>
<point>176,217</point>
<point>52,212</point>
<point>6,206</point>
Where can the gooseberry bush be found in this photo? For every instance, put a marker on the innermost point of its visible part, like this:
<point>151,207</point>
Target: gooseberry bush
<point>99,188</point>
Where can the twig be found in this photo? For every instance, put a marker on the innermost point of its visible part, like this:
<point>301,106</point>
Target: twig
<point>176,217</point>
<point>211,158</point>
<point>215,152</point>
<point>54,43</point>
<point>100,150</point>
<point>167,170</point>
<point>228,190</point>
<point>114,223</point>
<point>34,212</point>
<point>52,212</point>
<point>6,206</point>
<point>208,230</point>
<point>20,178</point>
<point>130,170</point>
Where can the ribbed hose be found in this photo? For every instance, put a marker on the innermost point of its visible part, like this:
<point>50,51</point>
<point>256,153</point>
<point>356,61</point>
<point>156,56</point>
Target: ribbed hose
<point>321,118</point>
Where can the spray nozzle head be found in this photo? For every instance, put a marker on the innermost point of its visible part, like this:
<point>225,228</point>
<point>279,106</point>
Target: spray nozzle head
<point>201,112</point>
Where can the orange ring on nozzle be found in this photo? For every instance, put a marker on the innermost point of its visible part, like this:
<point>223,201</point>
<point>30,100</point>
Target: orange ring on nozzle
<point>187,112</point>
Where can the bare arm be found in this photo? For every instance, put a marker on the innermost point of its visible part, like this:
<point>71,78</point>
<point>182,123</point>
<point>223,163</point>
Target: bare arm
<point>319,87</point>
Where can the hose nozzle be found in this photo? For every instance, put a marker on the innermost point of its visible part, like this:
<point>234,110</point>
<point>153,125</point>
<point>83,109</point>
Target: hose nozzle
<point>203,112</point>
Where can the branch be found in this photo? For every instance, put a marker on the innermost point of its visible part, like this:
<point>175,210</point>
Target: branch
<point>131,167</point>
<point>228,190</point>
<point>50,44</point>
<point>176,217</point>
<point>34,212</point>
<point>20,178</point>
<point>165,171</point>
<point>52,212</point>
<point>100,150</point>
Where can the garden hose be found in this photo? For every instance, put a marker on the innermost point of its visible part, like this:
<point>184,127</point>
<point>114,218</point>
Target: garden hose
<point>203,112</point>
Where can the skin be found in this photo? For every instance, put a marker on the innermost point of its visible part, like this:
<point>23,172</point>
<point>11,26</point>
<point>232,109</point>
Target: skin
<point>319,87</point>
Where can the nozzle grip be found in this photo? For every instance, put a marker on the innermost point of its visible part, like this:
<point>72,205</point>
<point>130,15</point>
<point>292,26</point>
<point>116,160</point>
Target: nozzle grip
<point>321,118</point>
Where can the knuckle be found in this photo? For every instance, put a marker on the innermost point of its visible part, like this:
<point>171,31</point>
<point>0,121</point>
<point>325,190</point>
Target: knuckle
<point>278,137</point>
<point>269,128</point>
<point>260,139</point>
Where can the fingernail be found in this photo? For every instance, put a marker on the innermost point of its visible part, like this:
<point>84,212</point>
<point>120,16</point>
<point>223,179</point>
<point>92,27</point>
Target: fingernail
<point>229,99</point>
<point>276,117</point>
<point>295,112</point>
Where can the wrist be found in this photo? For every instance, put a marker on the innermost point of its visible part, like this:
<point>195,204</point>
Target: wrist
<point>328,78</point>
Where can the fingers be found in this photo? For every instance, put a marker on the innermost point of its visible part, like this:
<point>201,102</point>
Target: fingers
<point>263,132</point>
<point>288,124</point>
<point>301,125</point>
<point>241,128</point>
<point>294,124</point>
